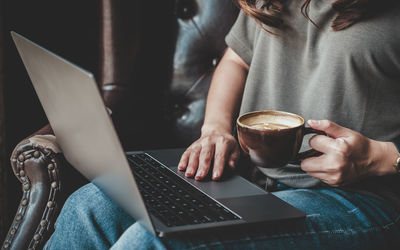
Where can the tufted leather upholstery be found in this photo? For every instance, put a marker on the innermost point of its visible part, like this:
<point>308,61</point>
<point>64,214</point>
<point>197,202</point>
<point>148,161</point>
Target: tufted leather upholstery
<point>176,99</point>
<point>200,46</point>
<point>198,29</point>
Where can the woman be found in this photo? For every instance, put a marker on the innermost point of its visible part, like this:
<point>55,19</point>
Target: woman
<point>336,62</point>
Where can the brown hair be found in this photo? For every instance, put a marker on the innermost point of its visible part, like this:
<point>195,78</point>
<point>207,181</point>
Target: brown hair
<point>268,12</point>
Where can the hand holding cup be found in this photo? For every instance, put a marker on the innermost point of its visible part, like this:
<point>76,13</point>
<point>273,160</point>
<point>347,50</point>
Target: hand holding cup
<point>273,139</point>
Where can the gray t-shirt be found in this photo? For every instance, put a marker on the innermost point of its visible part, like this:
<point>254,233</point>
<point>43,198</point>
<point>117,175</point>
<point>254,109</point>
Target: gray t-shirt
<point>351,77</point>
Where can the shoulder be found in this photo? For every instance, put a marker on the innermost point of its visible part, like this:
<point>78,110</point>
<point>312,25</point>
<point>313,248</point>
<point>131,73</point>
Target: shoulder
<point>374,35</point>
<point>246,26</point>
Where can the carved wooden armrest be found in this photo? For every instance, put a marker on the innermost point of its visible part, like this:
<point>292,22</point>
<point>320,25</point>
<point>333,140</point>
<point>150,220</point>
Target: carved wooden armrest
<point>36,163</point>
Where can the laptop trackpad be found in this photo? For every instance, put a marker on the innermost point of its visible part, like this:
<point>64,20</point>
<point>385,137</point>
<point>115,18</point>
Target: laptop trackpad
<point>258,208</point>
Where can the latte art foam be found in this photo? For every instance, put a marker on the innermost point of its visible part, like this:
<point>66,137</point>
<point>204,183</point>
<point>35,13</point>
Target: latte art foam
<point>268,126</point>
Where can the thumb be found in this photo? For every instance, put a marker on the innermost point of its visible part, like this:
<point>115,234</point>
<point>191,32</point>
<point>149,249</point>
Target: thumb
<point>330,128</point>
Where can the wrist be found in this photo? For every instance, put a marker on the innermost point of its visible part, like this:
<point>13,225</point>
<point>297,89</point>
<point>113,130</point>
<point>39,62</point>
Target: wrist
<point>207,129</point>
<point>385,155</point>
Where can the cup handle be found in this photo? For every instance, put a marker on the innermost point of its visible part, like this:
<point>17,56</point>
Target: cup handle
<point>311,152</point>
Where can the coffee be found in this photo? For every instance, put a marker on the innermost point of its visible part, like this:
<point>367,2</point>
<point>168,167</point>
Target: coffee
<point>271,121</point>
<point>268,126</point>
<point>272,139</point>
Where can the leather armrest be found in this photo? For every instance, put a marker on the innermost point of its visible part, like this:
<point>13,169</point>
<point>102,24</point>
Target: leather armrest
<point>38,164</point>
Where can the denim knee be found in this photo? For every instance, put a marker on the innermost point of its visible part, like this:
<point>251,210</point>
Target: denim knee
<point>91,219</point>
<point>83,202</point>
<point>90,203</point>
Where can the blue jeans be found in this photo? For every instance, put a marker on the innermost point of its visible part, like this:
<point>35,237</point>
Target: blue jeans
<point>336,219</point>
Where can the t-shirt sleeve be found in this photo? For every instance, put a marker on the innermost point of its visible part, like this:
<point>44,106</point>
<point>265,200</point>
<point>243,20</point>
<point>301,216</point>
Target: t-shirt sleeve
<point>241,37</point>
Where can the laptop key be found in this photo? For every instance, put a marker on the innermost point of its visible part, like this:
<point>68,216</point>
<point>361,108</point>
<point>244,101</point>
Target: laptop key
<point>137,162</point>
<point>196,221</point>
<point>206,218</point>
<point>171,199</point>
<point>221,218</point>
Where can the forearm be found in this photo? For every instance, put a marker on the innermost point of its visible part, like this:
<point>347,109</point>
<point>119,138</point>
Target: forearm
<point>225,94</point>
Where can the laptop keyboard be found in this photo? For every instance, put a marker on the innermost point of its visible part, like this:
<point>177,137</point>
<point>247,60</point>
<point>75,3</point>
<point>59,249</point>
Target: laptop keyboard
<point>171,199</point>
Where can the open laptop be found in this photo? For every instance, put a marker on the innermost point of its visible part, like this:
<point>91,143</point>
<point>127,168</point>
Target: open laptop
<point>147,185</point>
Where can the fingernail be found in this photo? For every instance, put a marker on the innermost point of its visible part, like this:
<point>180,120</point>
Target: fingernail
<point>199,175</point>
<point>232,163</point>
<point>216,174</point>
<point>340,139</point>
<point>313,122</point>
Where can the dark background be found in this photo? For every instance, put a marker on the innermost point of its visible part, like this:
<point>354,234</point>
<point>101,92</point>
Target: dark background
<point>70,29</point>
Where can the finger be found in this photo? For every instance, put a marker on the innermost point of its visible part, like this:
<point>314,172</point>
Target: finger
<point>322,143</point>
<point>314,164</point>
<point>183,162</point>
<point>233,159</point>
<point>330,128</point>
<point>220,158</point>
<point>206,156</point>
<point>333,180</point>
<point>323,168</point>
<point>324,177</point>
<point>193,161</point>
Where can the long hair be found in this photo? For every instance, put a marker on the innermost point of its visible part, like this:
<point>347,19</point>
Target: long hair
<point>268,12</point>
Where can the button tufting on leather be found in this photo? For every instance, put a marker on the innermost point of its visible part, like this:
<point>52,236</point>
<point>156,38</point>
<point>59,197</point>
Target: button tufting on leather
<point>36,237</point>
<point>54,185</point>
<point>24,202</point>
<point>185,9</point>
<point>21,157</point>
<point>27,186</point>
<point>50,204</point>
<point>215,62</point>
<point>36,154</point>
<point>43,223</point>
<point>22,173</point>
<point>50,166</point>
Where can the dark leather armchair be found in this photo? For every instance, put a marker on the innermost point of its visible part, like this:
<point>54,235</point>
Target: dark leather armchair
<point>197,43</point>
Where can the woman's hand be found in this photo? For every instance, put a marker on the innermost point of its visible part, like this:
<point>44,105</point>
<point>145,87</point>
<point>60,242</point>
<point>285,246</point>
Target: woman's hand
<point>216,145</point>
<point>213,146</point>
<point>347,155</point>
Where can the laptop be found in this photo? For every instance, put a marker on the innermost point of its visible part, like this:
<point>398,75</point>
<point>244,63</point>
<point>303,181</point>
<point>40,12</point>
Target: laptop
<point>146,184</point>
